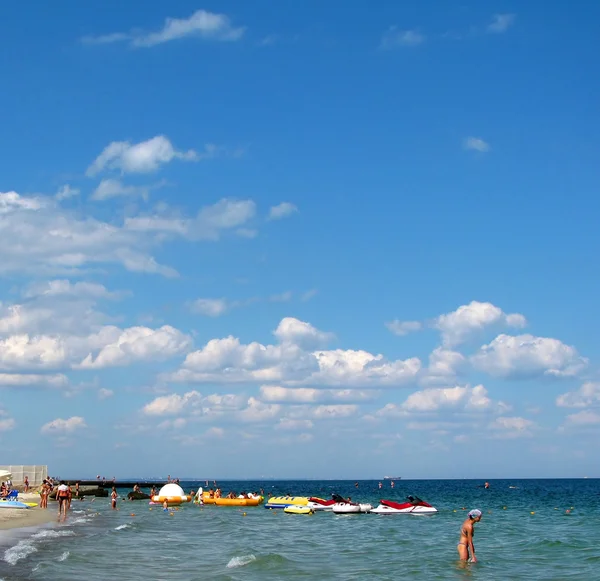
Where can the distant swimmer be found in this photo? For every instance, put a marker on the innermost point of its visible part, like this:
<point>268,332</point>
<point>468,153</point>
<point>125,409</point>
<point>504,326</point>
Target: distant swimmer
<point>465,544</point>
<point>486,485</point>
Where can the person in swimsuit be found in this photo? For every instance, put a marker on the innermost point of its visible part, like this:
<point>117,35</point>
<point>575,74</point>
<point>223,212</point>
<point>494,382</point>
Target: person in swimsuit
<point>62,495</point>
<point>465,544</point>
<point>113,498</point>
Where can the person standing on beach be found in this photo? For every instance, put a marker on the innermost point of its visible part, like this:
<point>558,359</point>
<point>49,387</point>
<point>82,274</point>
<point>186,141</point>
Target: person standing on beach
<point>26,484</point>
<point>465,546</point>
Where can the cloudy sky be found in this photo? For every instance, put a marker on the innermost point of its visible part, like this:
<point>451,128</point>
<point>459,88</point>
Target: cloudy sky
<point>295,240</point>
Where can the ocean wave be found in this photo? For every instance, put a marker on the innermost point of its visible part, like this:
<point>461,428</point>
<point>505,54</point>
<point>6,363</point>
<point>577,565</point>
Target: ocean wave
<point>121,527</point>
<point>64,556</point>
<point>51,534</point>
<point>240,561</point>
<point>20,551</point>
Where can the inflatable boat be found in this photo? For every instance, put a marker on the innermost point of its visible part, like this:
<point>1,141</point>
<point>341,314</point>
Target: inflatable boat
<point>414,505</point>
<point>172,493</point>
<point>12,504</point>
<point>238,501</point>
<point>283,501</point>
<point>298,509</point>
<point>317,503</point>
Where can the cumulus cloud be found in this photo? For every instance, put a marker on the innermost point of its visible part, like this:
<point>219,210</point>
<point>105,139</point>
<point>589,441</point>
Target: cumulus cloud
<point>292,330</point>
<point>139,344</point>
<point>394,38</point>
<point>59,427</point>
<point>587,395</point>
<point>476,144</point>
<point>501,23</point>
<point>282,210</point>
<point>111,188</point>
<point>583,418</point>
<point>201,24</point>
<point>173,404</point>
<point>526,356</point>
<point>144,157</point>
<point>464,397</point>
<point>403,327</point>
<point>512,427</point>
<point>307,395</point>
<point>459,325</point>
<point>104,393</point>
<point>6,423</point>
<point>30,380</point>
<point>444,366</point>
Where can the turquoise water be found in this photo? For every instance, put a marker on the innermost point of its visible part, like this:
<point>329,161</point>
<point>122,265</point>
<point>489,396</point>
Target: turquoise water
<point>221,543</point>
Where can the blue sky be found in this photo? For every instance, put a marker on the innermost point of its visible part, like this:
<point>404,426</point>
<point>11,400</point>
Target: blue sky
<point>300,240</point>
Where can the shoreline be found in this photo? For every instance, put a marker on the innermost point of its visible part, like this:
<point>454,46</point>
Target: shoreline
<point>19,518</point>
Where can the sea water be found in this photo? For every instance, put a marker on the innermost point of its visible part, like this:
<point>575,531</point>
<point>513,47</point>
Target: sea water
<point>531,529</point>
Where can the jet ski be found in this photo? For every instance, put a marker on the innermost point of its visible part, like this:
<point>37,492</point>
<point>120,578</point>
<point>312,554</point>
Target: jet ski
<point>316,503</point>
<point>414,505</point>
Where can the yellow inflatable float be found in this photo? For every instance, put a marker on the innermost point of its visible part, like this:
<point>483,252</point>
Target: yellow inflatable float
<point>238,501</point>
<point>297,509</point>
<point>283,501</point>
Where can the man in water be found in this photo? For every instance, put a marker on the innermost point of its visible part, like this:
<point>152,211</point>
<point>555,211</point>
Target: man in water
<point>465,545</point>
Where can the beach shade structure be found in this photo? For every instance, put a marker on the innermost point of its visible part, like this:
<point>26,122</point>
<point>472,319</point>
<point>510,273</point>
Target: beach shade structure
<point>172,493</point>
<point>5,475</point>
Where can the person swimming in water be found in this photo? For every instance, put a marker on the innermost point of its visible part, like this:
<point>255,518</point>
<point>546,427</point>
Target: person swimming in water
<point>465,544</point>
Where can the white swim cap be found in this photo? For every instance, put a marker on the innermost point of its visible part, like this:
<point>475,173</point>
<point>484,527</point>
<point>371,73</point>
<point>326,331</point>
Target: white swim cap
<point>474,513</point>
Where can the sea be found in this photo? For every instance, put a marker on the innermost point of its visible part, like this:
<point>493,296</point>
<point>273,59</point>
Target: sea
<point>531,530</point>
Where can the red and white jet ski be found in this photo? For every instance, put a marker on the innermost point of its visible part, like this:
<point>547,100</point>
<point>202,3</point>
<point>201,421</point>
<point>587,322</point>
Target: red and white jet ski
<point>317,503</point>
<point>414,505</point>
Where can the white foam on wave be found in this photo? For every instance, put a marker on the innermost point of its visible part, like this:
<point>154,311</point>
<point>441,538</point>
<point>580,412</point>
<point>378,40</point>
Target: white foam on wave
<point>51,534</point>
<point>20,551</point>
<point>64,556</point>
<point>240,561</point>
<point>121,527</point>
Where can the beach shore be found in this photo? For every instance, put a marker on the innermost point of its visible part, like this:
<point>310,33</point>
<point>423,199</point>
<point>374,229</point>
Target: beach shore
<point>16,518</point>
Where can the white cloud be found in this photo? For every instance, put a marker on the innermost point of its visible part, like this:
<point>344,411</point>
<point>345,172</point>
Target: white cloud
<point>66,288</point>
<point>583,418</point>
<point>257,411</point>
<point>111,188</point>
<point>201,24</point>
<point>209,224</point>
<point>65,192</point>
<point>104,393</point>
<point>144,157</point>
<point>444,366</point>
<point>403,327</point>
<point>587,395</point>
<point>7,424</point>
<point>137,344</point>
<point>173,404</point>
<point>282,211</point>
<point>294,425</point>
<point>227,360</point>
<point>210,307</point>
<point>501,23</point>
<point>307,395</point>
<point>291,330</point>
<point>458,326</point>
<point>61,427</point>
<point>394,37</point>
<point>516,426</point>
<point>466,398</point>
<point>476,144</point>
<point>22,352</point>
<point>37,236</point>
<point>31,380</point>
<point>308,295</point>
<point>526,356</point>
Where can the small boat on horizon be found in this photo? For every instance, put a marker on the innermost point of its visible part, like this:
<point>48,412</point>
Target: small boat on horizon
<point>392,477</point>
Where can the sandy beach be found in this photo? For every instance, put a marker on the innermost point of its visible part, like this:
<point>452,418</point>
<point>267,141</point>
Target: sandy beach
<point>19,517</point>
